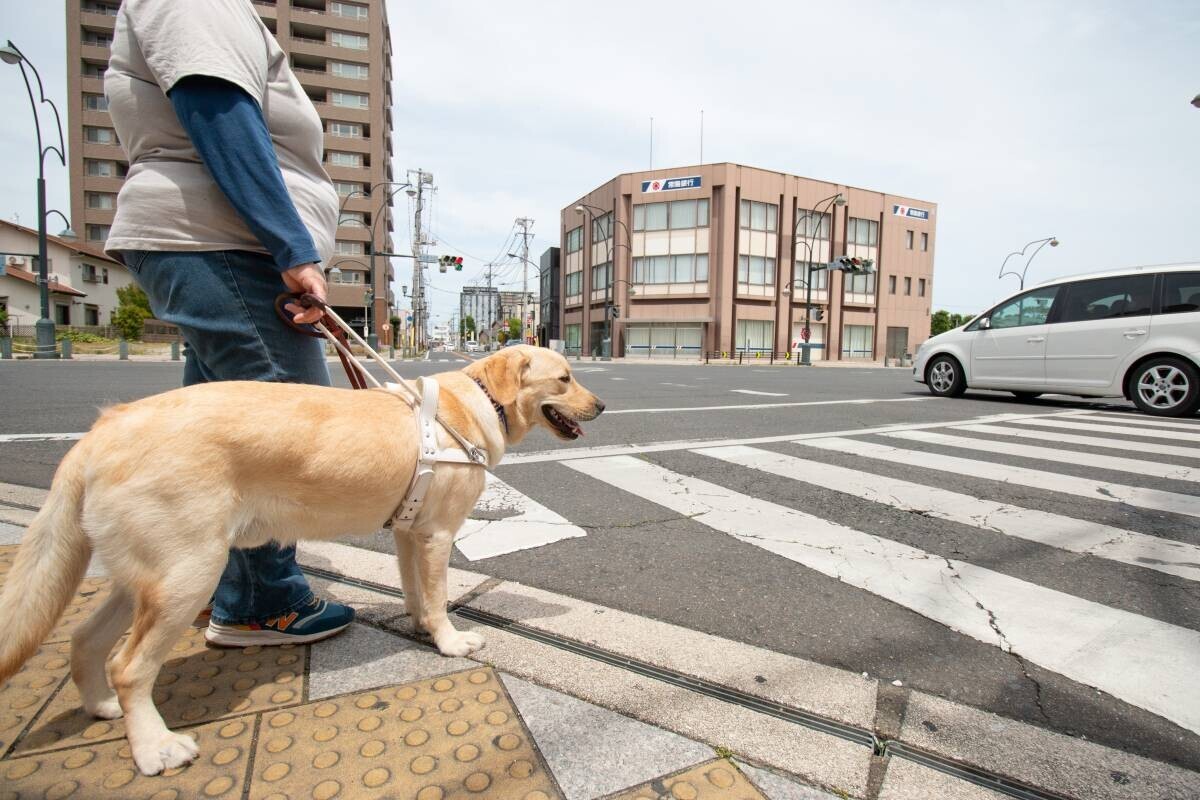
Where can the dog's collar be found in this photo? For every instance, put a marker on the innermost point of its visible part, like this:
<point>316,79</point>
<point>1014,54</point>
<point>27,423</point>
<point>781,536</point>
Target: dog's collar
<point>496,405</point>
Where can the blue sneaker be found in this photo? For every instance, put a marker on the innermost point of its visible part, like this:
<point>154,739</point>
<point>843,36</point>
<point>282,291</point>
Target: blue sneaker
<point>320,619</point>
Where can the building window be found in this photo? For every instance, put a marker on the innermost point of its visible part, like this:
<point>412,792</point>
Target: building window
<point>104,274</point>
<point>351,10</point>
<point>575,239</point>
<point>348,99</point>
<point>104,201</point>
<point>602,227</point>
<point>346,188</point>
<point>91,315</point>
<point>860,283</point>
<point>97,233</point>
<point>908,240</point>
<point>811,225</point>
<point>818,277</point>
<point>353,218</point>
<point>863,231</point>
<point>686,268</point>
<point>345,248</point>
<point>101,169</point>
<point>100,8</point>
<point>891,284</point>
<point>94,135</point>
<point>858,341</point>
<point>907,287</point>
<point>344,69</point>
<point>339,159</point>
<point>573,284</point>
<point>95,102</point>
<point>353,41</point>
<point>601,276</point>
<point>920,287</point>
<point>62,313</point>
<point>91,70</point>
<point>97,39</point>
<point>757,216</point>
<point>348,276</point>
<point>756,270</point>
<point>755,335</point>
<point>676,215</point>
<point>349,130</point>
<point>924,242</point>
<point>572,338</point>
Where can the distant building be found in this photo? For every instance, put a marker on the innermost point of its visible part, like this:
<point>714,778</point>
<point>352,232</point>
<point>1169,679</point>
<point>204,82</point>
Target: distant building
<point>482,305</point>
<point>549,326</point>
<point>83,281</point>
<point>510,308</point>
<point>715,258</point>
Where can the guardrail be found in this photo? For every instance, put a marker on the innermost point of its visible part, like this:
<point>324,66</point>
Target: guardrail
<point>752,355</point>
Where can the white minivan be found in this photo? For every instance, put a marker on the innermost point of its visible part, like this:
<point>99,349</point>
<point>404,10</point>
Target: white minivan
<point>1132,333</point>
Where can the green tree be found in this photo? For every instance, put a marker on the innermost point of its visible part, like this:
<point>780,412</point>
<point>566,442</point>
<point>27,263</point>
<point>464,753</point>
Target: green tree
<point>133,308</point>
<point>939,322</point>
<point>394,321</point>
<point>514,329</point>
<point>466,327</point>
<point>3,318</point>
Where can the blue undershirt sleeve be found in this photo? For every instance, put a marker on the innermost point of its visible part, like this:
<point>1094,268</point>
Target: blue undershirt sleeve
<point>229,133</point>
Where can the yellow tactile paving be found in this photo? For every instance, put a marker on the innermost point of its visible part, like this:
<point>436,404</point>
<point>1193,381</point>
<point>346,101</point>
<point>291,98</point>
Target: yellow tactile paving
<point>27,691</point>
<point>457,736</point>
<point>106,771</point>
<point>715,780</point>
<point>91,593</point>
<point>198,685</point>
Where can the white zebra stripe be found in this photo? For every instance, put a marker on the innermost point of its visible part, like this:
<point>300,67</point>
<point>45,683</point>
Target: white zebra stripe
<point>1110,649</point>
<point>1086,441</point>
<point>1119,430</point>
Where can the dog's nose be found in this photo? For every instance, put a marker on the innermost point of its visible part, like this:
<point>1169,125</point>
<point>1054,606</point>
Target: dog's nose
<point>599,406</point>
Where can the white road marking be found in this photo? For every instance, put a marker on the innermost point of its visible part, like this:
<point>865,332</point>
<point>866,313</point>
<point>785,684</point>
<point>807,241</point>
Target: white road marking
<point>1018,476</point>
<point>1088,441</point>
<point>768,405</point>
<point>1053,530</point>
<point>41,437</point>
<point>765,394</point>
<point>1119,430</point>
<point>533,525</point>
<point>573,453</point>
<point>616,379</point>
<point>1134,419</point>
<point>1116,463</point>
<point>680,385</point>
<point>1110,649</point>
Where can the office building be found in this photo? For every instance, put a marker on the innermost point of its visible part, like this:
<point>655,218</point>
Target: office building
<point>549,323</point>
<point>715,258</point>
<point>341,53</point>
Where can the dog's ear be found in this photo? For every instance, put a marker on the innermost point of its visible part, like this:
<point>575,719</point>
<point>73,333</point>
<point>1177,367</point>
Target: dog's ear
<point>505,373</point>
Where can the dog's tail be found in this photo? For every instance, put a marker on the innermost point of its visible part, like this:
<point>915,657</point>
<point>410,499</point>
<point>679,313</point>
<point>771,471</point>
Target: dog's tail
<point>48,569</point>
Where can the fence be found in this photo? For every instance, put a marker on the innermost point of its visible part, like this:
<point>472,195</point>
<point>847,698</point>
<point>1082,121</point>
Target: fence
<point>752,356</point>
<point>153,330</point>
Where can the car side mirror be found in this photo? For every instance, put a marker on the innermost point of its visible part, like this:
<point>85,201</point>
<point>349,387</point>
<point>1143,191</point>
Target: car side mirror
<point>985,324</point>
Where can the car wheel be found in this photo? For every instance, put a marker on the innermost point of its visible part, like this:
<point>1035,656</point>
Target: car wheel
<point>1026,396</point>
<point>944,377</point>
<point>1165,387</point>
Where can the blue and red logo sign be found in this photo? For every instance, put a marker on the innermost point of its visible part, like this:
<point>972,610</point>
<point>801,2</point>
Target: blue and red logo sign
<point>670,184</point>
<point>906,211</point>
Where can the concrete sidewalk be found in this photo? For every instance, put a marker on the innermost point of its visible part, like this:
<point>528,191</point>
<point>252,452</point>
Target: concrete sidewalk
<point>568,699</point>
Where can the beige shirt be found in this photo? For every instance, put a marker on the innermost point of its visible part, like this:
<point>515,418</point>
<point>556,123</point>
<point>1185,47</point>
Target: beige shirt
<point>169,200</point>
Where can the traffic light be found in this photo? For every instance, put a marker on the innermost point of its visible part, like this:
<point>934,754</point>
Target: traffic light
<point>818,315</point>
<point>450,261</point>
<point>853,264</point>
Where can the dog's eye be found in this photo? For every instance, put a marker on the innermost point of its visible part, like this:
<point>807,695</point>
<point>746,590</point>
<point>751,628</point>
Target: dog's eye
<point>565,379</point>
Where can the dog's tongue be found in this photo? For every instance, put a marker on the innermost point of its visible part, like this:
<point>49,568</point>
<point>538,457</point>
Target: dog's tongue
<point>578,431</point>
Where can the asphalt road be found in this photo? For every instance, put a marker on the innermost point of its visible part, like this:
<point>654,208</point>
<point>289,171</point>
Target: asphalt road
<point>642,557</point>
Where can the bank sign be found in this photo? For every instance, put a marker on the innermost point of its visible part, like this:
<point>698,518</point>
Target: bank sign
<point>908,211</point>
<point>670,184</point>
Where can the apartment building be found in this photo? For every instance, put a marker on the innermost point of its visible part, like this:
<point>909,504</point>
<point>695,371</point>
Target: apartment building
<point>717,258</point>
<point>341,52</point>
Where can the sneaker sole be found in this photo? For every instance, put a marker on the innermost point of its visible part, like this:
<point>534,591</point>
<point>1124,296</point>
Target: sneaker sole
<point>223,636</point>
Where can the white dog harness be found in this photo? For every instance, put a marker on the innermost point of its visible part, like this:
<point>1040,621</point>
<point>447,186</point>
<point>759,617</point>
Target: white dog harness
<point>422,399</point>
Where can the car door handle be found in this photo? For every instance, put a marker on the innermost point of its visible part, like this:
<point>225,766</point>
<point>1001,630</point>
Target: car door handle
<point>1131,334</point>
<point>1036,339</point>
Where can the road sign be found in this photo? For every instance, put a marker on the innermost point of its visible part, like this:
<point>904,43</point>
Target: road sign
<point>386,327</point>
<point>427,258</point>
<point>805,334</point>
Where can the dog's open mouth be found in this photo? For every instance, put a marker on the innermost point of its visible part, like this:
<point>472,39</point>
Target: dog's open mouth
<point>566,427</point>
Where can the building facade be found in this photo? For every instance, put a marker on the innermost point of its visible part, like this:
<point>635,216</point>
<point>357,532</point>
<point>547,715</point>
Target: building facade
<point>481,304</point>
<point>83,281</point>
<point>511,304</point>
<point>341,53</point>
<point>550,324</point>
<point>714,258</point>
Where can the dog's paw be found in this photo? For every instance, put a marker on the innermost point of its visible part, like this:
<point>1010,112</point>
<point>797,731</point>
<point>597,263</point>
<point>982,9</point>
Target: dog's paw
<point>107,708</point>
<point>170,750</point>
<point>459,643</point>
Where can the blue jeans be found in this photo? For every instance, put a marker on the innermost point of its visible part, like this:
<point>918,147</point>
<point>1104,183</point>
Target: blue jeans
<point>223,302</point>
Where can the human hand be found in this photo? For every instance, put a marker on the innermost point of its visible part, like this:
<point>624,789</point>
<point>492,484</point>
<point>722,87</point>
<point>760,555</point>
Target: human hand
<point>308,279</point>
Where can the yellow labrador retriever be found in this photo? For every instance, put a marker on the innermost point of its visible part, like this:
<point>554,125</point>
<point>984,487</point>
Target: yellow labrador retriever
<point>161,489</point>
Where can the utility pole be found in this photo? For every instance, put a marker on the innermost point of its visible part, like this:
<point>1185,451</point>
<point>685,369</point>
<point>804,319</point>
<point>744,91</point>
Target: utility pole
<point>526,223</point>
<point>422,180</point>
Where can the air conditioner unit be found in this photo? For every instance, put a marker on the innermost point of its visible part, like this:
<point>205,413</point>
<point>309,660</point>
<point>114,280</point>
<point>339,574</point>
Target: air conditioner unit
<point>15,261</point>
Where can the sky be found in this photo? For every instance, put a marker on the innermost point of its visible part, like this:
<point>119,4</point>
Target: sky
<point>1021,120</point>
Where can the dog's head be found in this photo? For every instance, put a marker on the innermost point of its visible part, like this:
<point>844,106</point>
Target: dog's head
<point>536,387</point>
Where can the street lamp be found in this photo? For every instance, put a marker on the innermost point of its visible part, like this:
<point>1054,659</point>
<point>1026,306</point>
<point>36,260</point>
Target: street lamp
<point>581,208</point>
<point>1196,101</point>
<point>1049,240</point>
<point>830,202</point>
<point>11,54</point>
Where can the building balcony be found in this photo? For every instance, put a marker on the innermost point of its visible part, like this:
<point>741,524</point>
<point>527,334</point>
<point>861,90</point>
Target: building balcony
<point>100,119</point>
<point>313,16</point>
<point>323,79</point>
<point>320,48</point>
<point>93,52</point>
<point>342,173</point>
<point>346,294</point>
<point>266,9</point>
<point>348,144</point>
<point>91,84</point>
<point>343,113</point>
<point>95,184</point>
<point>104,152</point>
<point>97,21</point>
<point>97,216</point>
<point>359,203</point>
<point>354,233</point>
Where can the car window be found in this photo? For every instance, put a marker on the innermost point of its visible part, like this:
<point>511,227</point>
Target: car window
<point>1031,308</point>
<point>1181,292</point>
<point>1107,298</point>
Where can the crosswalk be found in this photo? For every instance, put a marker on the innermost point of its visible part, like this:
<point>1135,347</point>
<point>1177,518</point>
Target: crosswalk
<point>1115,488</point>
